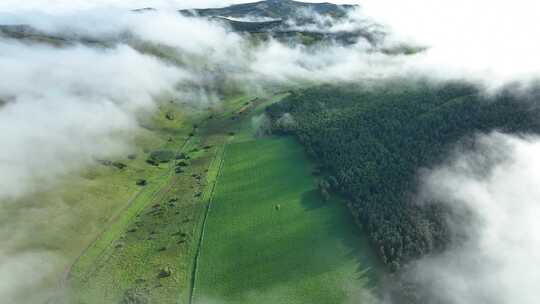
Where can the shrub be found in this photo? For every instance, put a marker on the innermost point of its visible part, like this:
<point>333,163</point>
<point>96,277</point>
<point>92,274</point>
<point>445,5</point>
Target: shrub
<point>165,272</point>
<point>162,156</point>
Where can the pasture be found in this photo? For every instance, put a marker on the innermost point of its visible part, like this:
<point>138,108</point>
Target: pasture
<point>270,238</point>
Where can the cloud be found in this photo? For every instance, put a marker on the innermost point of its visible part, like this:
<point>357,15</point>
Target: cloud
<point>67,106</point>
<point>22,277</point>
<point>497,185</point>
<point>489,41</point>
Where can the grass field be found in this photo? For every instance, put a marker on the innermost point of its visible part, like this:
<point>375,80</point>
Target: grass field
<point>62,221</point>
<point>113,238</point>
<point>158,235</point>
<point>160,226</point>
<point>270,238</point>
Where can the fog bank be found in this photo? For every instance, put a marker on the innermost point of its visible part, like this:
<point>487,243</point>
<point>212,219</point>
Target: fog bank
<point>497,187</point>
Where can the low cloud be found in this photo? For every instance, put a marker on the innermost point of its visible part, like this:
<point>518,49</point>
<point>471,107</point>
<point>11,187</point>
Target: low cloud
<point>496,186</point>
<point>23,276</point>
<point>67,106</point>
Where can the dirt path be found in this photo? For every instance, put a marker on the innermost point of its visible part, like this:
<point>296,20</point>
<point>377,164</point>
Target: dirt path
<point>221,158</point>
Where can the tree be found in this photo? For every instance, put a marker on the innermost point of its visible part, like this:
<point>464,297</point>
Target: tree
<point>324,188</point>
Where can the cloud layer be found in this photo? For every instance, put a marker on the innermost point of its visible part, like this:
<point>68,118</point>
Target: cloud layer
<point>498,186</point>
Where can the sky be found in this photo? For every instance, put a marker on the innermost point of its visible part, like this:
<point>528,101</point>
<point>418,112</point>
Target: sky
<point>52,6</point>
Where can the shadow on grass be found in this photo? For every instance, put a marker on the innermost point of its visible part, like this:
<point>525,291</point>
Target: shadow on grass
<point>341,226</point>
<point>312,200</point>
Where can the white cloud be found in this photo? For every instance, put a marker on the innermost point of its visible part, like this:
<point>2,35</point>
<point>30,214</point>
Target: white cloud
<point>70,105</point>
<point>494,41</point>
<point>498,263</point>
<point>21,275</point>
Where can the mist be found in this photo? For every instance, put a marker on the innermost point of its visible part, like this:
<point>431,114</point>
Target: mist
<point>66,106</point>
<point>493,192</point>
<point>490,42</point>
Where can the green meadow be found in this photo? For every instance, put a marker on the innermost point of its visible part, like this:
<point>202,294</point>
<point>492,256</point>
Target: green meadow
<point>145,253</point>
<point>270,238</point>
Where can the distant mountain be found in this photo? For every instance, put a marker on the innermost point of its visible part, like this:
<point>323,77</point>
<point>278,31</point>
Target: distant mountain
<point>288,21</point>
<point>273,9</point>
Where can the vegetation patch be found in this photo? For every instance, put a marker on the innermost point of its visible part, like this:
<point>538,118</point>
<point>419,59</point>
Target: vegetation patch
<point>162,156</point>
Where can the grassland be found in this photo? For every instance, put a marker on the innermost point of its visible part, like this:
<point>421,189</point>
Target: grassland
<point>171,226</point>
<point>64,220</point>
<point>159,229</point>
<point>269,237</point>
<point>119,242</point>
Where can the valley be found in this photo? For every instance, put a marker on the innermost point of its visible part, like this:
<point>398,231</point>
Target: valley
<point>236,152</point>
<point>167,244</point>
